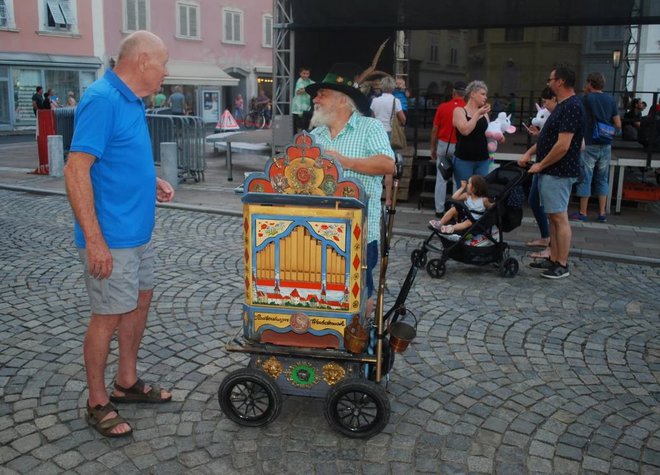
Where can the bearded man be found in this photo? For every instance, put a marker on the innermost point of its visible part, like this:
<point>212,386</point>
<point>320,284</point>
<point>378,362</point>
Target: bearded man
<point>360,144</point>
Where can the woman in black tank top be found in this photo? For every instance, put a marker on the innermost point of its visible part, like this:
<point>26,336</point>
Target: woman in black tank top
<point>471,155</point>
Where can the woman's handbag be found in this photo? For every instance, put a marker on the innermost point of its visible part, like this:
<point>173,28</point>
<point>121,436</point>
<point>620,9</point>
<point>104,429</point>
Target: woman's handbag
<point>446,162</point>
<point>398,136</point>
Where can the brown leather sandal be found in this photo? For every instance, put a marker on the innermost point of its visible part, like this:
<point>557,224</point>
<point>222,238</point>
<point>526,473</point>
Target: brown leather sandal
<point>136,394</point>
<point>96,414</point>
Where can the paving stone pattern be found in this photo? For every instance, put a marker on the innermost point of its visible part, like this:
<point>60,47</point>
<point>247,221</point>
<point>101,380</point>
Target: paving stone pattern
<point>506,376</point>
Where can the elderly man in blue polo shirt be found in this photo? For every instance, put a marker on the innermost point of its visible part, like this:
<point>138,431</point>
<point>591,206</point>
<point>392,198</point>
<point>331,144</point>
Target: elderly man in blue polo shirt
<point>358,143</point>
<point>112,187</point>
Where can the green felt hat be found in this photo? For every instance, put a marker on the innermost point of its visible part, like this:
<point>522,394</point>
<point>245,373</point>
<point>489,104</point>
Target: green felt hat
<point>341,77</point>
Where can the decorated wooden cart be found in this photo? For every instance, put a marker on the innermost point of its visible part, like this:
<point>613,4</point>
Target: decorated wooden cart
<point>304,321</point>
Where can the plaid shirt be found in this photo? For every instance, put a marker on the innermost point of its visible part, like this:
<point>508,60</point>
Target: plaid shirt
<point>361,137</point>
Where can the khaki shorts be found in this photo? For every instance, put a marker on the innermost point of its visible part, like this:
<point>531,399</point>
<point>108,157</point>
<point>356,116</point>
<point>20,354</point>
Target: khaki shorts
<point>132,271</point>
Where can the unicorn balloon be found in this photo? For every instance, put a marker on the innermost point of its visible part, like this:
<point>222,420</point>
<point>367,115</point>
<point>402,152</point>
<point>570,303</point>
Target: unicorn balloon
<point>496,130</point>
<point>542,115</point>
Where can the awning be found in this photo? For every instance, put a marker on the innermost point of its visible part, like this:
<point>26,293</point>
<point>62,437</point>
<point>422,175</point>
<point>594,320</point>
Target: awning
<point>50,60</point>
<point>192,73</point>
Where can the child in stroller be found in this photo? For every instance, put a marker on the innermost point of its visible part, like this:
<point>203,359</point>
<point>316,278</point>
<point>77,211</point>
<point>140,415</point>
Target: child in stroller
<point>474,194</point>
<point>481,241</point>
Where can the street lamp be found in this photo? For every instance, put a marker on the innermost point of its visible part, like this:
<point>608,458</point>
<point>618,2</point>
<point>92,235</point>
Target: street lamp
<point>616,60</point>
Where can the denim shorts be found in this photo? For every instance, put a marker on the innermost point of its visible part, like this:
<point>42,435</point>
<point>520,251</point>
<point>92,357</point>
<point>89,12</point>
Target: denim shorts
<point>464,169</point>
<point>554,192</point>
<point>594,170</point>
<point>132,271</point>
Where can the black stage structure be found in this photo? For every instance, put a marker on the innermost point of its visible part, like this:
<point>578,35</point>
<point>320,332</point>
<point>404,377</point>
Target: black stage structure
<point>319,33</point>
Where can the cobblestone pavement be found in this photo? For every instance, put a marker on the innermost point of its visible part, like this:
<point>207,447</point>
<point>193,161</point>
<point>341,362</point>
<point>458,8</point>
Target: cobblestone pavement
<point>506,376</point>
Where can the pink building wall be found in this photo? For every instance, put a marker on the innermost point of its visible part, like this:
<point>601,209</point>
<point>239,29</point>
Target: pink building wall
<point>210,47</point>
<point>28,38</point>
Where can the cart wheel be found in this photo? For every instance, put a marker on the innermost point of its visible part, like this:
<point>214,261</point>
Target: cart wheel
<point>357,408</point>
<point>436,268</point>
<point>509,267</point>
<point>418,258</point>
<point>249,397</point>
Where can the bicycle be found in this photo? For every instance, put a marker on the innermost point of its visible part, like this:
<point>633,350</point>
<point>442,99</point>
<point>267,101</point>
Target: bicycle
<point>257,118</point>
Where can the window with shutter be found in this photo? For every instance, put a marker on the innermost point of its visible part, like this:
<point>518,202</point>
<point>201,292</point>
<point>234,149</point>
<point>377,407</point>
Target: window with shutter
<point>268,31</point>
<point>233,26</point>
<point>60,14</point>
<point>135,15</point>
<point>188,18</point>
<point>3,14</point>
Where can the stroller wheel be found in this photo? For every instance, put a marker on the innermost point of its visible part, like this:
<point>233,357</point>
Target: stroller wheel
<point>436,268</point>
<point>509,267</point>
<point>418,258</point>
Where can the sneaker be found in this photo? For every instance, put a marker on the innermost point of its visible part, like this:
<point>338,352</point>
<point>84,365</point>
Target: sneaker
<point>556,272</point>
<point>542,264</point>
<point>602,218</point>
<point>577,216</point>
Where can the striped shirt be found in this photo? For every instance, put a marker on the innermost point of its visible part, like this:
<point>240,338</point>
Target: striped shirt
<point>361,137</point>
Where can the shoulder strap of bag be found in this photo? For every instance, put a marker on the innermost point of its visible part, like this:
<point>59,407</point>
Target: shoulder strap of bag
<point>449,142</point>
<point>393,104</point>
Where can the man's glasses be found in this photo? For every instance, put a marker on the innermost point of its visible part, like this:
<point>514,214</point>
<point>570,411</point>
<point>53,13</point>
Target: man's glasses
<point>552,79</point>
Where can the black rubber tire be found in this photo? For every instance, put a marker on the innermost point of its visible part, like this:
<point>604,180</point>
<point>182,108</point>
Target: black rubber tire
<point>418,258</point>
<point>357,408</point>
<point>250,397</point>
<point>509,267</point>
<point>436,268</point>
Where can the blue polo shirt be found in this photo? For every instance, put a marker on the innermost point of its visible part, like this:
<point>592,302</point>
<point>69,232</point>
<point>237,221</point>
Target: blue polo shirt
<point>110,124</point>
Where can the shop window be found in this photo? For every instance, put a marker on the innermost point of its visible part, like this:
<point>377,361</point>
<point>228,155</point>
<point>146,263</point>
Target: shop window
<point>7,14</point>
<point>25,82</point>
<point>187,20</point>
<point>232,26</point>
<point>136,15</point>
<point>267,31</point>
<point>59,15</point>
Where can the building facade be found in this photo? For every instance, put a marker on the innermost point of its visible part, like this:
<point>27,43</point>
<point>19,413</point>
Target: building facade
<point>217,49</point>
<point>43,43</point>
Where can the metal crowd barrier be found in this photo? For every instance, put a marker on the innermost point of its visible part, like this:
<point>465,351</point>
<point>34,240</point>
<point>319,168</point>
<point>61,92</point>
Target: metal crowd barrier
<point>188,134</point>
<point>186,131</point>
<point>64,125</point>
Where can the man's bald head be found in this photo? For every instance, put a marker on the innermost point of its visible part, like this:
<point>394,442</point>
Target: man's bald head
<point>141,63</point>
<point>139,42</point>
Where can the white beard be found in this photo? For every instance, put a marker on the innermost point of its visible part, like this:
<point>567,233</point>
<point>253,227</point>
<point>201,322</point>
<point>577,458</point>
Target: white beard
<point>321,117</point>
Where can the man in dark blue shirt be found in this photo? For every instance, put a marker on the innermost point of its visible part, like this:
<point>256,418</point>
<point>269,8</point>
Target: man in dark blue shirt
<point>558,166</point>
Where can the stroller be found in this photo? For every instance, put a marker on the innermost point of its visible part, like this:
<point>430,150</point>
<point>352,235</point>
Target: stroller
<point>483,242</point>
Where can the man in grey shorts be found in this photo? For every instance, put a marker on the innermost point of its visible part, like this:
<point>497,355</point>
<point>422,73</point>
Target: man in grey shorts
<point>112,187</point>
<point>558,166</point>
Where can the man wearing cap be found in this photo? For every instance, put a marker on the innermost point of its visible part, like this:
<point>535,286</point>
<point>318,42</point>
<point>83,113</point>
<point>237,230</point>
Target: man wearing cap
<point>358,143</point>
<point>443,140</point>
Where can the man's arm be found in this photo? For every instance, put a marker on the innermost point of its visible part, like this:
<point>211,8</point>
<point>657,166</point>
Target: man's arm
<point>434,142</point>
<point>527,156</point>
<point>374,165</point>
<point>556,153</point>
<point>81,196</point>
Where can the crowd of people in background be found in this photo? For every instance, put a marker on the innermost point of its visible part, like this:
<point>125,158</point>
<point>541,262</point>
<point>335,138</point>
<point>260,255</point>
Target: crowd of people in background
<point>49,100</point>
